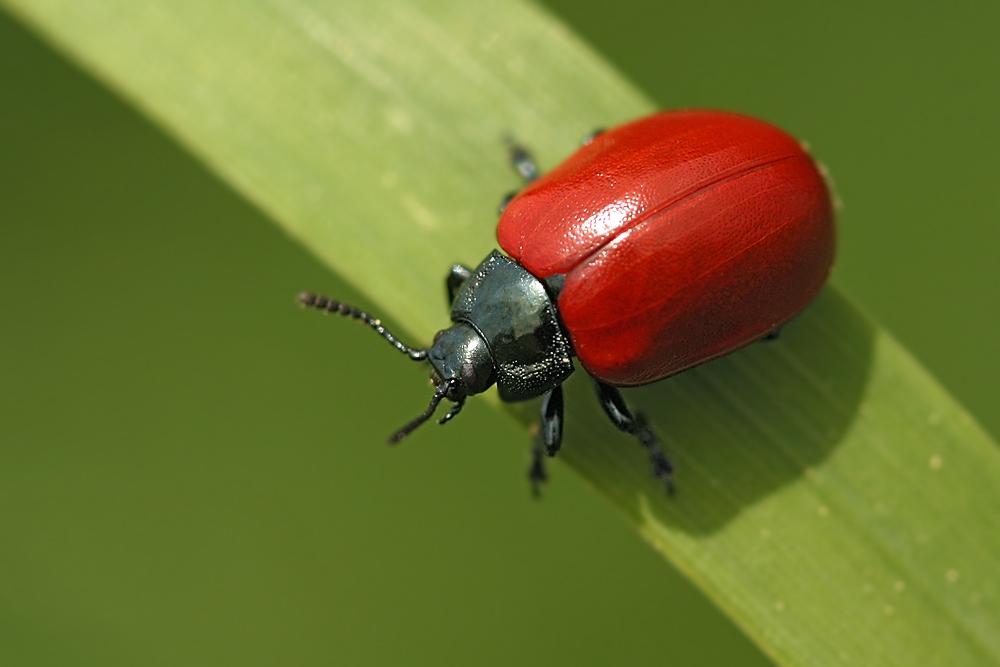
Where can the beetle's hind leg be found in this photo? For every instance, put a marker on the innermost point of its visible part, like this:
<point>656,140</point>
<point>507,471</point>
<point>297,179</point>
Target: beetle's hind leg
<point>457,275</point>
<point>773,334</point>
<point>619,414</point>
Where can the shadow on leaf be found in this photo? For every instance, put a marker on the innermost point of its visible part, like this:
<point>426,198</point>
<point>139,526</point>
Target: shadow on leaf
<point>737,428</point>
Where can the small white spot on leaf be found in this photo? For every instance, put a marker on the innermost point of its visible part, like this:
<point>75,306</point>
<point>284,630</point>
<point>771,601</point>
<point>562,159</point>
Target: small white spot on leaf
<point>389,180</point>
<point>399,120</point>
<point>420,213</point>
<point>515,65</point>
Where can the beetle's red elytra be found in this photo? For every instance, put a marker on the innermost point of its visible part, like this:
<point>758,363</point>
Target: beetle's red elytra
<point>682,236</point>
<point>658,245</point>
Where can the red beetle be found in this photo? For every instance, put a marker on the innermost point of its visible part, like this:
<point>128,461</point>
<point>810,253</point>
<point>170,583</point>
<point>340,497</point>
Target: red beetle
<point>658,245</point>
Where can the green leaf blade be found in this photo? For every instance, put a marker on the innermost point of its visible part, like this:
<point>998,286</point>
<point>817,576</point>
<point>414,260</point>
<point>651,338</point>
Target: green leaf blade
<point>834,500</point>
<point>832,528</point>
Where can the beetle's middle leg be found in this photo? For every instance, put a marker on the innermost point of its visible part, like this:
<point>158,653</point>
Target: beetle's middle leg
<point>590,136</point>
<point>522,161</point>
<point>526,167</point>
<point>524,164</point>
<point>619,414</point>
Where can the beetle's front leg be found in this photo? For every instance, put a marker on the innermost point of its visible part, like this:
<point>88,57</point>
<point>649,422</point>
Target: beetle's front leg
<point>457,275</point>
<point>619,414</point>
<point>505,200</point>
<point>549,437</point>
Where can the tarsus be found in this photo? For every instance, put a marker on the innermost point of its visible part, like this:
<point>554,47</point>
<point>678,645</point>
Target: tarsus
<point>440,391</point>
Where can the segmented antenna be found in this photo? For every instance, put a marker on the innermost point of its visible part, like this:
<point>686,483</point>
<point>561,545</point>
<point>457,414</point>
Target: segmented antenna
<point>328,305</point>
<point>440,391</point>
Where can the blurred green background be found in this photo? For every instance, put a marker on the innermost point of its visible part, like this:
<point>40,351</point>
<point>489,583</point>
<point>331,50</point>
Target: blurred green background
<point>191,470</point>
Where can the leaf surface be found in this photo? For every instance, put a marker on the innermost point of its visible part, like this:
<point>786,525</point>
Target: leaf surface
<point>833,500</point>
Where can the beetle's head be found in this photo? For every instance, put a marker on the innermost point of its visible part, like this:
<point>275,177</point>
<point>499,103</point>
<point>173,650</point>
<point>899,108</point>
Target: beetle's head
<point>459,356</point>
<point>461,362</point>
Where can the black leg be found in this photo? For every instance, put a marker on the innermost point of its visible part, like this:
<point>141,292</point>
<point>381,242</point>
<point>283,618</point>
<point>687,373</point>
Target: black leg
<point>772,335</point>
<point>552,420</point>
<point>502,206</point>
<point>548,440</point>
<point>593,135</point>
<point>614,406</point>
<point>536,473</point>
<point>457,275</point>
<point>522,161</point>
<point>524,164</point>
